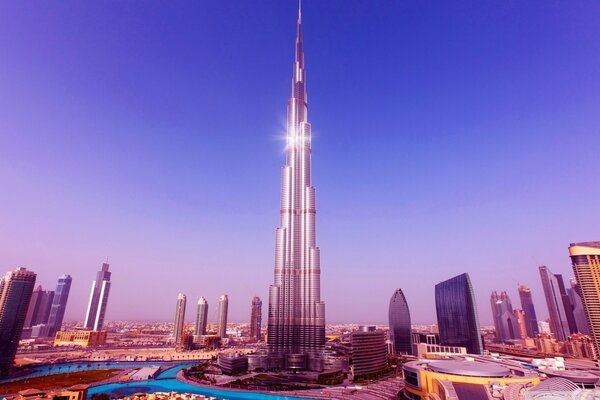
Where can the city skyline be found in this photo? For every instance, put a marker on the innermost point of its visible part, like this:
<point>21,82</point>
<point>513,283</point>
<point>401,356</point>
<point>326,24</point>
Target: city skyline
<point>87,212</point>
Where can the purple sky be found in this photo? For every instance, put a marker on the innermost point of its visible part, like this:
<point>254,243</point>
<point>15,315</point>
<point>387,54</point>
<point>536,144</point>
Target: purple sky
<point>449,138</point>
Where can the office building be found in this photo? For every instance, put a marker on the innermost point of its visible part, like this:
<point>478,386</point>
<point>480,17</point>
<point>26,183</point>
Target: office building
<point>504,317</point>
<point>527,305</point>
<point>16,288</point>
<point>585,259</point>
<point>222,319</point>
<point>59,304</point>
<point>458,321</point>
<point>256,318</point>
<point>369,352</point>
<point>96,311</point>
<point>201,316</point>
<point>578,309</point>
<point>552,284</point>
<point>399,322</point>
<point>521,323</point>
<point>296,324</point>
<point>179,319</point>
<point>39,307</point>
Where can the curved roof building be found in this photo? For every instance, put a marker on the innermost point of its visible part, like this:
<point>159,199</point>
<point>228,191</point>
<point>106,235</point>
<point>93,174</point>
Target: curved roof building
<point>400,326</point>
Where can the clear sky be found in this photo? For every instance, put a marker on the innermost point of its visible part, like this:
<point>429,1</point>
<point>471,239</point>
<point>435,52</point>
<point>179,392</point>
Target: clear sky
<point>450,137</point>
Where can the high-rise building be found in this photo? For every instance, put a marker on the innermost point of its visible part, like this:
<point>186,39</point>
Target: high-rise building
<point>296,325</point>
<point>400,326</point>
<point>94,317</point>
<point>16,289</point>
<point>59,304</point>
<point>559,325</point>
<point>521,323</point>
<point>179,319</point>
<point>256,318</point>
<point>585,259</point>
<point>222,322</point>
<point>457,317</point>
<point>527,305</point>
<point>578,309</point>
<point>201,316</point>
<point>505,322</point>
<point>566,304</point>
<point>39,307</point>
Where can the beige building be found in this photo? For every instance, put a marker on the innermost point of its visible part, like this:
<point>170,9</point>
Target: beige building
<point>83,338</point>
<point>585,258</point>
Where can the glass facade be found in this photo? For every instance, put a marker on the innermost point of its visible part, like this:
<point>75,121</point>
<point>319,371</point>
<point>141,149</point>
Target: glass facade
<point>531,322</point>
<point>400,327</point>
<point>457,317</point>
<point>15,294</point>
<point>61,295</point>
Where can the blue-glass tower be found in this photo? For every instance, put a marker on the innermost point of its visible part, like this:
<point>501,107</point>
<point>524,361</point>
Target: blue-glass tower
<point>457,317</point>
<point>59,305</point>
<point>400,327</point>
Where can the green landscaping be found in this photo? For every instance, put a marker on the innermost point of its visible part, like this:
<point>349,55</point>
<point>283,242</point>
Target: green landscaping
<point>58,381</point>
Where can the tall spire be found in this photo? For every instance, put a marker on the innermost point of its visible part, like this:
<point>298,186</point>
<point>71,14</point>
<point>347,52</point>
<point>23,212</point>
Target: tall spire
<point>298,83</point>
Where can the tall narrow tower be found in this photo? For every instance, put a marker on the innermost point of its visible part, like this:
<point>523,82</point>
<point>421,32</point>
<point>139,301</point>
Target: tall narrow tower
<point>296,325</point>
<point>59,305</point>
<point>179,319</point>
<point>94,317</point>
<point>222,320</point>
<point>256,318</point>
<point>201,316</point>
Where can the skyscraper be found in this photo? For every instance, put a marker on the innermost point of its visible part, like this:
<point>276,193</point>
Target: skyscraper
<point>521,323</point>
<point>585,258</point>
<point>400,326</point>
<point>94,317</point>
<point>39,307</point>
<point>222,322</point>
<point>201,316</point>
<point>15,294</point>
<point>256,318</point>
<point>505,321</point>
<point>296,325</point>
<point>457,317</point>
<point>179,319</point>
<point>527,305</point>
<point>578,309</point>
<point>59,304</point>
<point>559,325</point>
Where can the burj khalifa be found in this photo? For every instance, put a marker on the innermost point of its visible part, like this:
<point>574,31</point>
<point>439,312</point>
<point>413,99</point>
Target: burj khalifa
<point>296,326</point>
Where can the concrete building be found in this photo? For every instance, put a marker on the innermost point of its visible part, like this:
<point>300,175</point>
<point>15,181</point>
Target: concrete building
<point>585,259</point>
<point>578,309</point>
<point>201,316</point>
<point>400,325</point>
<point>179,319</point>
<point>96,310</point>
<point>16,288</point>
<point>83,338</point>
<point>527,305</point>
<point>296,325</point>
<point>222,322</point>
<point>256,319</point>
<point>369,352</point>
<point>458,321</point>
<point>59,303</point>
